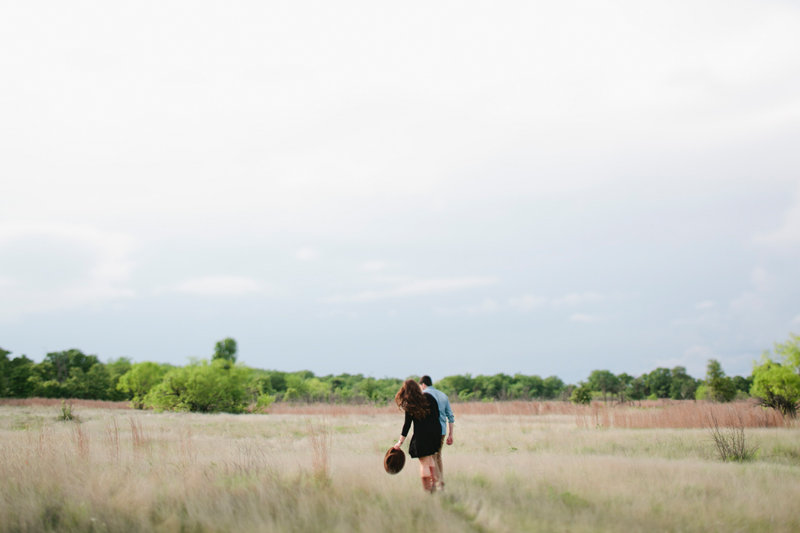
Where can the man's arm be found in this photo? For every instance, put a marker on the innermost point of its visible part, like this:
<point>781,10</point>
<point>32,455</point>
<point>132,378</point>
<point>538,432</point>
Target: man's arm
<point>451,421</point>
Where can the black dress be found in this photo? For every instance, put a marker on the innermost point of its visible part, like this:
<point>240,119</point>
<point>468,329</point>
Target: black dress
<point>427,432</point>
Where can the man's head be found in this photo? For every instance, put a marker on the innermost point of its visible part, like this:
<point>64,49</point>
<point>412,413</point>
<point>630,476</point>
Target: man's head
<point>425,382</point>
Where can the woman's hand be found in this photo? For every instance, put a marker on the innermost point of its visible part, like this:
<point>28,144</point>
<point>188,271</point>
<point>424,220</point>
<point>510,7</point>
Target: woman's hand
<point>397,446</point>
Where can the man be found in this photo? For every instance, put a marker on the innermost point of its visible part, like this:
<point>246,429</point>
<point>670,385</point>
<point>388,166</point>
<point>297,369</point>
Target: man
<point>446,418</point>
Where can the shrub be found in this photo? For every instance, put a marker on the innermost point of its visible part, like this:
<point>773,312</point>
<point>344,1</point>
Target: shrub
<point>730,441</point>
<point>66,413</point>
<point>777,383</point>
<point>139,380</point>
<point>262,403</point>
<point>582,395</point>
<point>203,387</point>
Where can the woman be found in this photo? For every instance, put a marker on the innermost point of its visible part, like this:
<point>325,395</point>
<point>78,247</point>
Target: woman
<point>423,410</point>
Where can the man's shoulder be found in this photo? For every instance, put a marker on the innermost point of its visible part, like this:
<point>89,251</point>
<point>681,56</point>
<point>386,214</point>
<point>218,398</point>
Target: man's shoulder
<point>439,395</point>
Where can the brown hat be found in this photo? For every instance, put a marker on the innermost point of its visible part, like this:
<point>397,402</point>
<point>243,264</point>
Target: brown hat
<point>394,461</point>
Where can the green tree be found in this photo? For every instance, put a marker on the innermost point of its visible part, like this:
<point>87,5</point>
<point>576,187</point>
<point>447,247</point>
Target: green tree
<point>659,382</point>
<point>137,382</point>
<point>719,387</point>
<point>552,387</point>
<point>777,386</point>
<point>4,365</point>
<point>582,395</point>
<point>226,350</point>
<point>204,387</point>
<point>742,384</point>
<point>638,389</point>
<point>605,382</point>
<point>776,382</point>
<point>116,369</point>
<point>682,385</point>
<point>63,362</point>
<point>18,377</point>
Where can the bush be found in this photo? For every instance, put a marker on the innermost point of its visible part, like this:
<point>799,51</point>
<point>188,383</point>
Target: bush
<point>262,403</point>
<point>66,413</point>
<point>582,395</point>
<point>730,441</point>
<point>777,383</point>
<point>202,387</point>
<point>139,380</point>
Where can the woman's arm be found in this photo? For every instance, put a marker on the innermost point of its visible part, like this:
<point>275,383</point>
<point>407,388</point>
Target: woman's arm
<point>404,433</point>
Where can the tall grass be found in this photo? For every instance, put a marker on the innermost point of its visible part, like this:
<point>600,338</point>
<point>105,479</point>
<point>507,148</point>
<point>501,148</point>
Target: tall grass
<point>685,414</point>
<point>320,437</point>
<point>51,402</point>
<point>135,472</point>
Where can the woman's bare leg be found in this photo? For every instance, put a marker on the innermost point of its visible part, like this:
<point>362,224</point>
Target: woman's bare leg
<point>426,473</point>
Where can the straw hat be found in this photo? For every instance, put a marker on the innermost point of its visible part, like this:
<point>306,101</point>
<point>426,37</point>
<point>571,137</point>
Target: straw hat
<point>394,460</point>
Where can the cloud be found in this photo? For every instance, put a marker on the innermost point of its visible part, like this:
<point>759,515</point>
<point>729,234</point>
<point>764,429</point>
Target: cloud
<point>583,317</point>
<point>705,304</point>
<point>694,359</point>
<point>488,306</point>
<point>789,232</point>
<point>49,266</point>
<point>373,266</point>
<point>527,302</point>
<point>305,254</point>
<point>219,286</point>
<point>796,320</point>
<point>415,288</point>
<point>574,298</point>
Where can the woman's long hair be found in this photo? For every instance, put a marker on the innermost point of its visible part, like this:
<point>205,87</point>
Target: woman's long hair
<point>411,400</point>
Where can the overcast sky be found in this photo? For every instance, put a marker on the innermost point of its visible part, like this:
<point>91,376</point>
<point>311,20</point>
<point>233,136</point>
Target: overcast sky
<point>402,188</point>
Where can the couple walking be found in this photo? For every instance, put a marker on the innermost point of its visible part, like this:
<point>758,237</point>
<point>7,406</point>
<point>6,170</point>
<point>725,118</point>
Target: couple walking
<point>431,414</point>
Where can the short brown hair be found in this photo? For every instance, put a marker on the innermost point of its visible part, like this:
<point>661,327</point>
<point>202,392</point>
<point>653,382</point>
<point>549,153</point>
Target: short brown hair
<point>426,380</point>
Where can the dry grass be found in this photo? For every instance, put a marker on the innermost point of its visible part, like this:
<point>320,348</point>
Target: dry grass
<point>50,402</point>
<point>685,414</point>
<point>140,471</point>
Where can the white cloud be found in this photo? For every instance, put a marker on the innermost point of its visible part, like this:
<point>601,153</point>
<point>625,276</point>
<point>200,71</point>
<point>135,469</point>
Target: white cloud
<point>583,317</point>
<point>796,320</point>
<point>305,254</point>
<point>415,288</point>
<point>574,298</point>
<point>488,306</point>
<point>219,286</point>
<point>705,304</point>
<point>373,266</point>
<point>50,266</point>
<point>527,302</point>
<point>747,302</point>
<point>789,232</point>
<point>695,359</point>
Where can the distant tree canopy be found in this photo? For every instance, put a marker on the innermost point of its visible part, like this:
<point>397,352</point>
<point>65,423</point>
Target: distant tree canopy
<point>223,384</point>
<point>500,387</point>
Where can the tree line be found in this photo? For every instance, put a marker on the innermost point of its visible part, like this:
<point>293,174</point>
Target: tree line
<point>220,383</point>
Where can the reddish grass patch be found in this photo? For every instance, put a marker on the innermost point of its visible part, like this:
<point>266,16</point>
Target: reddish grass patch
<point>680,414</point>
<point>329,409</point>
<point>56,402</point>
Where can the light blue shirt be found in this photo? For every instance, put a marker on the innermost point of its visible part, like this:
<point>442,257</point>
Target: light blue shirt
<point>445,412</point>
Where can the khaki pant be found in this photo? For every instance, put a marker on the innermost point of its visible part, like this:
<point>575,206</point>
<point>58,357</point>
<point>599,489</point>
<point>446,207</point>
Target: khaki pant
<point>437,460</point>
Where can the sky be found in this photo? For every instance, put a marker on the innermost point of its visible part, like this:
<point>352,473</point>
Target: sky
<point>402,188</point>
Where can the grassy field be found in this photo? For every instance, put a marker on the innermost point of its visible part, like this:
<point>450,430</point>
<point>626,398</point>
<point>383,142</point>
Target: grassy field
<point>546,468</point>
